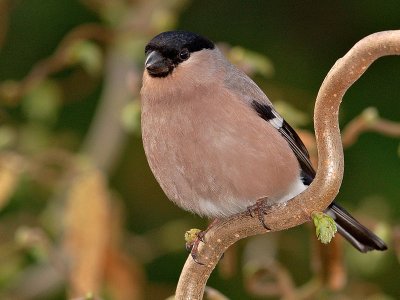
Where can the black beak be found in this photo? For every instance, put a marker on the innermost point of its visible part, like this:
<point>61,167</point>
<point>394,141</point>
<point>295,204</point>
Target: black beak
<point>157,65</point>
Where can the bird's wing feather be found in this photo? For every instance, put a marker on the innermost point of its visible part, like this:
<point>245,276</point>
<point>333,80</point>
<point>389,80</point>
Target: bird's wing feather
<point>268,113</point>
<point>249,92</point>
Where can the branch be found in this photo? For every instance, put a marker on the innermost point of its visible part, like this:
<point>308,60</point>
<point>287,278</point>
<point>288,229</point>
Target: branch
<point>330,167</point>
<point>58,60</point>
<point>368,120</point>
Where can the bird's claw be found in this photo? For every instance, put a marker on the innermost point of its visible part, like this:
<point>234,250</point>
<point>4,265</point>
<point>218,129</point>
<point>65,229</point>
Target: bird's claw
<point>193,238</point>
<point>196,259</point>
<point>193,245</point>
<point>259,209</point>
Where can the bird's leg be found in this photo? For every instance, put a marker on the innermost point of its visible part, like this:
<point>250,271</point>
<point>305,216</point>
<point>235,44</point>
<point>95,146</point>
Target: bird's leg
<point>260,208</point>
<point>193,245</point>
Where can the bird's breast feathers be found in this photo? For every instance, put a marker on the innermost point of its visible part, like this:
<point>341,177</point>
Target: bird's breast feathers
<point>212,154</point>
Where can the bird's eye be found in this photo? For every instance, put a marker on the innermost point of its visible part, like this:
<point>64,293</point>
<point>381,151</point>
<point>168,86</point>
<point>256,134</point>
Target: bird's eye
<point>184,54</point>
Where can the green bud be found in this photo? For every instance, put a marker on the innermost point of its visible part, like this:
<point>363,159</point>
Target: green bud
<point>87,54</point>
<point>191,235</point>
<point>42,102</point>
<point>370,115</point>
<point>325,227</point>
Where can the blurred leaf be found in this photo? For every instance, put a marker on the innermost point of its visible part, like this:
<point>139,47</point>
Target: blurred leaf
<point>43,102</point>
<point>113,11</point>
<point>7,137</point>
<point>163,19</point>
<point>293,116</point>
<point>87,231</point>
<point>133,48</point>
<point>34,138</point>
<point>165,16</point>
<point>370,115</point>
<point>130,117</point>
<point>251,62</point>
<point>35,240</point>
<point>10,268</point>
<point>10,170</point>
<point>367,264</point>
<point>88,55</point>
<point>36,282</point>
<point>124,277</point>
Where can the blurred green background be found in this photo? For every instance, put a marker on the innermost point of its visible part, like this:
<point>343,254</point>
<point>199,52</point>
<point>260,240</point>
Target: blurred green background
<point>80,211</point>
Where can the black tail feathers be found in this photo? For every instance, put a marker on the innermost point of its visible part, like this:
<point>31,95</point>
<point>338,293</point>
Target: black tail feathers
<point>359,236</point>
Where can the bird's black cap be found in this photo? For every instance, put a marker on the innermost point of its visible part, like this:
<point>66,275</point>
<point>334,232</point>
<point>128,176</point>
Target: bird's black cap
<point>168,49</point>
<point>171,42</point>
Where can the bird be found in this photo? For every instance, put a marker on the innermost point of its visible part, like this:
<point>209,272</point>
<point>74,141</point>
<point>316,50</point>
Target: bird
<point>214,141</point>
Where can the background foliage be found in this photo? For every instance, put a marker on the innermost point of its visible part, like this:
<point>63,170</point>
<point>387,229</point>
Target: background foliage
<point>80,212</point>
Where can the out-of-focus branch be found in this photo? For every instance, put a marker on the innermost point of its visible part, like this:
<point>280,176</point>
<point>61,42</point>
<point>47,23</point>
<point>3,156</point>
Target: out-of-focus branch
<point>59,59</point>
<point>270,280</point>
<point>106,136</point>
<point>368,120</point>
<point>328,263</point>
<point>330,167</point>
<point>120,69</point>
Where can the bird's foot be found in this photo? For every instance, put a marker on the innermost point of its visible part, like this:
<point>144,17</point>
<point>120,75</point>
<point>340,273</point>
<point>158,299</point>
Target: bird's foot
<point>259,209</point>
<point>193,238</point>
<point>193,245</point>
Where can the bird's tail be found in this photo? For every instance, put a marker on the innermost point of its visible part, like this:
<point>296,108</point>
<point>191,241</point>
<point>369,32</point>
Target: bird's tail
<point>359,236</point>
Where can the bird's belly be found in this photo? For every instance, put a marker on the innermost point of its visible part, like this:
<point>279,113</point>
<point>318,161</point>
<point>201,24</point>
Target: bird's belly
<point>214,161</point>
<point>217,173</point>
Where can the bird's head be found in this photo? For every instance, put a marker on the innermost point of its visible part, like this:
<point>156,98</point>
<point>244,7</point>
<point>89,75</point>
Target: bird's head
<point>168,50</point>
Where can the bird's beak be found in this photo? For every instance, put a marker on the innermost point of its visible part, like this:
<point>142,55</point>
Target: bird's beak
<point>156,64</point>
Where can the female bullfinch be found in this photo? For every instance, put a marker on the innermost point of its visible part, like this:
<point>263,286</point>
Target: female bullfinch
<point>215,143</point>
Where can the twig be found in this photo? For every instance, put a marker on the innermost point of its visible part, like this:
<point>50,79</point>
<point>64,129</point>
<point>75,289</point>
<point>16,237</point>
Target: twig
<point>330,166</point>
<point>328,265</point>
<point>106,121</point>
<point>368,120</point>
<point>58,61</point>
<point>279,283</point>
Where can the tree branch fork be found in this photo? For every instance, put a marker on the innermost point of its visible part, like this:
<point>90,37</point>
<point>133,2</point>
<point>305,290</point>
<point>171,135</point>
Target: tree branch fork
<point>329,176</point>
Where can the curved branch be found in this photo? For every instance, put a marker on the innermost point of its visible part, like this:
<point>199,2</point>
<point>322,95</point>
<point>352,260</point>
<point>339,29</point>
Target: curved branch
<point>330,167</point>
